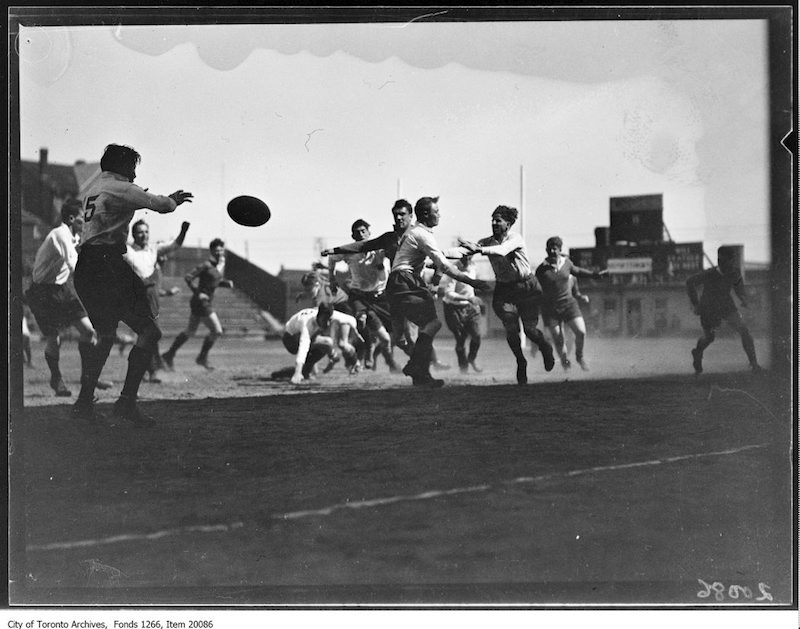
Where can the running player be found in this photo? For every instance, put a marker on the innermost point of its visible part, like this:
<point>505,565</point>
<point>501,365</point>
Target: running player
<point>409,296</point>
<point>143,258</point>
<point>209,275</point>
<point>107,285</point>
<point>52,297</point>
<point>403,215</point>
<point>304,336</point>
<point>368,272</point>
<point>716,305</point>
<point>559,303</point>
<point>517,293</point>
<point>462,314</point>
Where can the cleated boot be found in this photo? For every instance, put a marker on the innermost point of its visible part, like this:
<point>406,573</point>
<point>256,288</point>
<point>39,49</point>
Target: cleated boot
<point>125,408</point>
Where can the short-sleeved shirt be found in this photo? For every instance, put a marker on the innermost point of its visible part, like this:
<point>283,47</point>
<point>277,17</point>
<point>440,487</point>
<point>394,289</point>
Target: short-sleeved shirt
<point>109,206</point>
<point>56,257</point>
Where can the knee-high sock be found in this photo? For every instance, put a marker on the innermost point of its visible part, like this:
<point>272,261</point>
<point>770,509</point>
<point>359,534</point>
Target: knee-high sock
<point>138,362</point>
<point>52,363</point>
<point>516,345</point>
<point>422,353</point>
<point>93,358</point>
<point>176,344</point>
<point>208,343</point>
<point>749,347</point>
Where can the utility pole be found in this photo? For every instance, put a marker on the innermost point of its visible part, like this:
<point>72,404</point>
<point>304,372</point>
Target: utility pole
<point>523,339</point>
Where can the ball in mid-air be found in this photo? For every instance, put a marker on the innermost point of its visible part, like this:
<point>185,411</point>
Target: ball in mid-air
<point>248,211</point>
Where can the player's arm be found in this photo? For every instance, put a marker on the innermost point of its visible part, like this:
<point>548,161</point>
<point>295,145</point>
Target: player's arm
<point>512,243</point>
<point>741,292</point>
<point>448,268</point>
<point>692,283</point>
<point>164,248</point>
<point>190,277</point>
<point>374,244</point>
<point>163,204</point>
<point>578,271</point>
<point>302,353</point>
<point>332,283</point>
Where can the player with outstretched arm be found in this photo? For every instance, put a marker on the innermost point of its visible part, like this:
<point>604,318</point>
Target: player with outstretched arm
<point>108,286</point>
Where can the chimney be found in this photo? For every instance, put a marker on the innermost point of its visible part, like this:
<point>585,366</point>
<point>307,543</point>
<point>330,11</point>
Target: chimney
<point>42,160</point>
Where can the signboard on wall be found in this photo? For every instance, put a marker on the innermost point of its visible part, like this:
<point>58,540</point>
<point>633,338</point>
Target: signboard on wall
<point>630,265</point>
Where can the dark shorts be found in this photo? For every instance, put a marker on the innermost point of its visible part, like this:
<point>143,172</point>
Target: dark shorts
<point>111,291</point>
<point>567,311</point>
<point>462,320</point>
<point>374,305</point>
<point>410,298</point>
<point>201,307</point>
<point>291,342</point>
<point>712,318</point>
<point>54,306</point>
<point>520,299</point>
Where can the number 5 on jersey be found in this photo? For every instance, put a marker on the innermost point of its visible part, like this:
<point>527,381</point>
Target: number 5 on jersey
<point>88,211</point>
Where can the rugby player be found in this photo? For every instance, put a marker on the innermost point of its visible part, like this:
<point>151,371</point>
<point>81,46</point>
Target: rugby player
<point>409,295</point>
<point>304,336</point>
<point>716,305</point>
<point>144,259</point>
<point>108,286</point>
<point>517,293</point>
<point>52,297</point>
<point>462,313</point>
<point>366,294</point>
<point>209,276</point>
<point>559,303</point>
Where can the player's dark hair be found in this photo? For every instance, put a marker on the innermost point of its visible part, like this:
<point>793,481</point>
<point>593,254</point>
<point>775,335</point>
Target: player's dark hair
<point>508,214</point>
<point>141,221</point>
<point>402,203</point>
<point>424,205</point>
<point>217,242</point>
<point>120,159</point>
<point>726,251</point>
<point>359,223</point>
<point>324,310</point>
<point>554,241</point>
<point>70,208</point>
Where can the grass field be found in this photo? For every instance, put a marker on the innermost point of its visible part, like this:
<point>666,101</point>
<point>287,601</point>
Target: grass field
<point>633,483</point>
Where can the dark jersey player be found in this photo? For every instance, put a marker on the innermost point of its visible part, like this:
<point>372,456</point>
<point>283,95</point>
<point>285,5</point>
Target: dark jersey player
<point>716,305</point>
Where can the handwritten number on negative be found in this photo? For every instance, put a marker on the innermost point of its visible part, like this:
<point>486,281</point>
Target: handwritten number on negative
<point>734,591</point>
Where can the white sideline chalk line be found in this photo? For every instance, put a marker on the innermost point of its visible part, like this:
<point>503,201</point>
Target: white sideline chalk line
<point>522,479</point>
<point>213,528</point>
<point>378,502</point>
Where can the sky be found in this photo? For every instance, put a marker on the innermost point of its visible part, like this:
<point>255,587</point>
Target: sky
<point>328,123</point>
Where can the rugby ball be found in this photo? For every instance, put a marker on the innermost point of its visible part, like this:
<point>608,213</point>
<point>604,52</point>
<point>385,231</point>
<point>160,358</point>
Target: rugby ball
<point>248,211</point>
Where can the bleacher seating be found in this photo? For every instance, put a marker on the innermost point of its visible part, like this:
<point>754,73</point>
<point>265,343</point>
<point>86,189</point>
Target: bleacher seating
<point>237,312</point>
